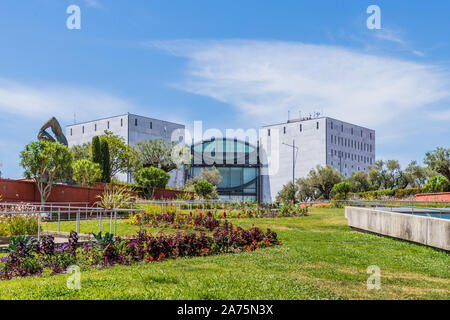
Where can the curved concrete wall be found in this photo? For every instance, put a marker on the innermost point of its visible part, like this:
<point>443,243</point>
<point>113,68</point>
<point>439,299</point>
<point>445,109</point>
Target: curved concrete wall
<point>429,231</point>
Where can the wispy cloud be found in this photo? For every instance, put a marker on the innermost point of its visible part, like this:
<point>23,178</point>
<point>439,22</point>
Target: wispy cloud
<point>43,101</point>
<point>93,3</point>
<point>264,79</point>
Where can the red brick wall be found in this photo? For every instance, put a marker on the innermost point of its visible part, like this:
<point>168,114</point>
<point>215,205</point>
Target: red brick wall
<point>441,196</point>
<point>164,194</point>
<point>26,191</point>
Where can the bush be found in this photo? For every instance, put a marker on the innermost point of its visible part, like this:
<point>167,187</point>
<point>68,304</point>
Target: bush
<point>341,190</point>
<point>437,184</point>
<point>115,196</point>
<point>204,189</point>
<point>86,172</point>
<point>152,178</point>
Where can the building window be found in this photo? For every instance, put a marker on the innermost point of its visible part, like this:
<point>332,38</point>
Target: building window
<point>121,122</point>
<point>70,131</point>
<point>151,125</point>
<point>82,129</point>
<point>342,128</point>
<point>352,131</point>
<point>301,128</point>
<point>370,148</point>
<point>317,125</point>
<point>361,133</point>
<point>284,130</point>
<point>268,132</point>
<point>135,122</point>
<point>107,124</point>
<point>95,127</point>
<point>331,124</point>
<point>331,138</point>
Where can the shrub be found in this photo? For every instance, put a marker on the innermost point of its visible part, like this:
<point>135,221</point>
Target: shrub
<point>341,190</point>
<point>115,196</point>
<point>437,184</point>
<point>204,189</point>
<point>152,178</point>
<point>18,224</point>
<point>86,172</point>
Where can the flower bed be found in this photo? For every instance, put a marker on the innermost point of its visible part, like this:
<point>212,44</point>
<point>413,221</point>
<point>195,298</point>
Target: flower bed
<point>170,216</point>
<point>28,257</point>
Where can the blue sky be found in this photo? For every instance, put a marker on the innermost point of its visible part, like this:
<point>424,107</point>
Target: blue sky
<point>231,64</point>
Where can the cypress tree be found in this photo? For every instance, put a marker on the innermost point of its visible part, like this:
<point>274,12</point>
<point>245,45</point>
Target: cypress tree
<point>105,165</point>
<point>96,151</point>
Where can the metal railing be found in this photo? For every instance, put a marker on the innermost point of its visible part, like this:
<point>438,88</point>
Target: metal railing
<point>58,213</point>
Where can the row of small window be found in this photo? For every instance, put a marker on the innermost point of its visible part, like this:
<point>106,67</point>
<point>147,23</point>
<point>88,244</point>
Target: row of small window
<point>352,130</point>
<point>300,128</point>
<point>353,157</point>
<point>351,143</point>
<point>345,167</point>
<point>107,125</point>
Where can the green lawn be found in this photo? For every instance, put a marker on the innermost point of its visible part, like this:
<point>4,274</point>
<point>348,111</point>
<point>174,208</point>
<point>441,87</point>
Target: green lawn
<point>321,258</point>
<point>88,226</point>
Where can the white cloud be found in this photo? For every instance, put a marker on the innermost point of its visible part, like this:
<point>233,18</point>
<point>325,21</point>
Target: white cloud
<point>264,79</point>
<point>42,101</point>
<point>93,3</point>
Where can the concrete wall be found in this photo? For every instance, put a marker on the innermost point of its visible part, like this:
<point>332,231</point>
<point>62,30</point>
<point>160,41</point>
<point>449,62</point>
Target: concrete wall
<point>433,232</point>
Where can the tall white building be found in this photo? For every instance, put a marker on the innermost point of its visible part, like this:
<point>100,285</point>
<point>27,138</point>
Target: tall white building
<point>132,128</point>
<point>290,150</point>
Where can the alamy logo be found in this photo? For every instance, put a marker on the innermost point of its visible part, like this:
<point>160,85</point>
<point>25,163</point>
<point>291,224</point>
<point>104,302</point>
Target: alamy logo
<point>74,20</point>
<point>374,21</point>
<point>374,280</point>
<point>74,281</point>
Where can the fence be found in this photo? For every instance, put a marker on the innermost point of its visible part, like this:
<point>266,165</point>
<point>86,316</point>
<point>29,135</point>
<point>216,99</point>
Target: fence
<point>69,212</point>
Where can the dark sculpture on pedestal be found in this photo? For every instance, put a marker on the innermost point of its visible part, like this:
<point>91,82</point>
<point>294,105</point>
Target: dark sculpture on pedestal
<point>56,129</point>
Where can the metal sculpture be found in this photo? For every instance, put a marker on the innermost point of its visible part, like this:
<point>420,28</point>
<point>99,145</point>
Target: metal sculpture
<point>56,129</point>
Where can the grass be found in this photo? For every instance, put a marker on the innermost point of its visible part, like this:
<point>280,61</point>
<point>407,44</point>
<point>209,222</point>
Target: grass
<point>88,226</point>
<point>321,258</point>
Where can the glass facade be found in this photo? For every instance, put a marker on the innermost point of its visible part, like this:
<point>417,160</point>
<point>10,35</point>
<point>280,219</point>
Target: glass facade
<point>237,162</point>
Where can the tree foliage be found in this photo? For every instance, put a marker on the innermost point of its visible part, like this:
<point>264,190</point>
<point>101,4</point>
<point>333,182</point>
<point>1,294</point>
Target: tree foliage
<point>342,189</point>
<point>437,184</point>
<point>105,161</point>
<point>211,175</point>
<point>439,161</point>
<point>288,194</point>
<point>86,173</point>
<point>120,154</point>
<point>323,179</point>
<point>151,178</point>
<point>155,153</point>
<point>204,189</point>
<point>81,152</point>
<point>46,162</point>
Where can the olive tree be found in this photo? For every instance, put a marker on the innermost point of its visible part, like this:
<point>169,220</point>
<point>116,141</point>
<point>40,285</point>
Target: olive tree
<point>439,161</point>
<point>46,162</point>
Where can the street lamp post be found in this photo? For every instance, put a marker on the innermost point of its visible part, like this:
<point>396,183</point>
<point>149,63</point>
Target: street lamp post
<point>293,158</point>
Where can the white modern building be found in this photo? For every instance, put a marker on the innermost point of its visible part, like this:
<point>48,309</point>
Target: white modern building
<point>290,150</point>
<point>132,128</point>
